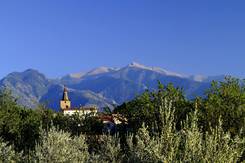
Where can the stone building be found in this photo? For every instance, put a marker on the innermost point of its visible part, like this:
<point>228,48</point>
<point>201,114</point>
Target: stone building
<point>65,105</point>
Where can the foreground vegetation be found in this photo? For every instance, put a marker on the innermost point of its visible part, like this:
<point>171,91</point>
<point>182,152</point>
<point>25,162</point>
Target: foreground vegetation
<point>163,126</point>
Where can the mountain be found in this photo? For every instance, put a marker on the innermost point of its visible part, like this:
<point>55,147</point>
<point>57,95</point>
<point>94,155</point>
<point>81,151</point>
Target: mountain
<point>127,82</point>
<point>103,86</point>
<point>28,86</point>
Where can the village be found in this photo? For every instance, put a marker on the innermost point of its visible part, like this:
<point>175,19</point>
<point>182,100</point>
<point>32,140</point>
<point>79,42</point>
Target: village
<point>109,120</point>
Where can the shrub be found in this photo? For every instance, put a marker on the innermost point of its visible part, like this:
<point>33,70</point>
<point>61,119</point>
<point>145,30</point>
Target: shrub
<point>59,146</point>
<point>187,145</point>
<point>7,153</point>
<point>110,150</point>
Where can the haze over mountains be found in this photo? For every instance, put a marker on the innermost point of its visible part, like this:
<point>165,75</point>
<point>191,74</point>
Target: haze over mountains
<point>102,86</point>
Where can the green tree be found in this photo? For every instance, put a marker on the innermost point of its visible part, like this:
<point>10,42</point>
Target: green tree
<point>226,100</point>
<point>19,126</point>
<point>145,108</point>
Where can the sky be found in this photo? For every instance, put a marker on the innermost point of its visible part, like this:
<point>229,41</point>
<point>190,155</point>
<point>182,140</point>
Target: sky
<point>58,37</point>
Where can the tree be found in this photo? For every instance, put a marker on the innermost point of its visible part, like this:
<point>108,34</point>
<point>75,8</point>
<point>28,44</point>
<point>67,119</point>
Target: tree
<point>226,100</point>
<point>145,108</point>
<point>18,126</point>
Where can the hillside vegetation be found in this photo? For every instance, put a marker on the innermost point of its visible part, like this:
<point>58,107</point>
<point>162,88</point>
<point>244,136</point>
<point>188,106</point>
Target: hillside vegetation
<point>163,126</point>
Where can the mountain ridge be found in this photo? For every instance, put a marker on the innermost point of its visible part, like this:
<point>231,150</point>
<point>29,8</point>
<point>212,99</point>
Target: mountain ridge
<point>103,86</point>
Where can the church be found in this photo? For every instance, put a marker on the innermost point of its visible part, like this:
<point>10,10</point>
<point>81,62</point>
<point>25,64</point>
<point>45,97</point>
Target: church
<point>110,121</point>
<point>65,106</point>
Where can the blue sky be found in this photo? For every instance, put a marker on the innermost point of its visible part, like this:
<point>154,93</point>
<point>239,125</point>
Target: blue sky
<point>59,37</point>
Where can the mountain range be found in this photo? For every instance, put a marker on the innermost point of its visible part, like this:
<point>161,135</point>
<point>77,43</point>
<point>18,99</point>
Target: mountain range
<point>102,86</point>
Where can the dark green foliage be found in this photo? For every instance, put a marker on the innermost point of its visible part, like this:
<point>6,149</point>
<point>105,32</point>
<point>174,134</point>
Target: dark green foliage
<point>18,125</point>
<point>145,108</point>
<point>164,112</point>
<point>21,126</point>
<point>76,124</point>
<point>46,116</point>
<point>226,100</point>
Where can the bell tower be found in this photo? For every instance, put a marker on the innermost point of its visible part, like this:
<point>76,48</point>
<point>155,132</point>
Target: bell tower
<point>65,103</point>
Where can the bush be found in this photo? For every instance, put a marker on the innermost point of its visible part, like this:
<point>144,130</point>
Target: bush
<point>58,146</point>
<point>110,150</point>
<point>187,145</point>
<point>7,153</point>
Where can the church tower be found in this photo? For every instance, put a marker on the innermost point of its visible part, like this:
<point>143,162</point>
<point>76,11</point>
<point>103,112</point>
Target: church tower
<point>65,103</point>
